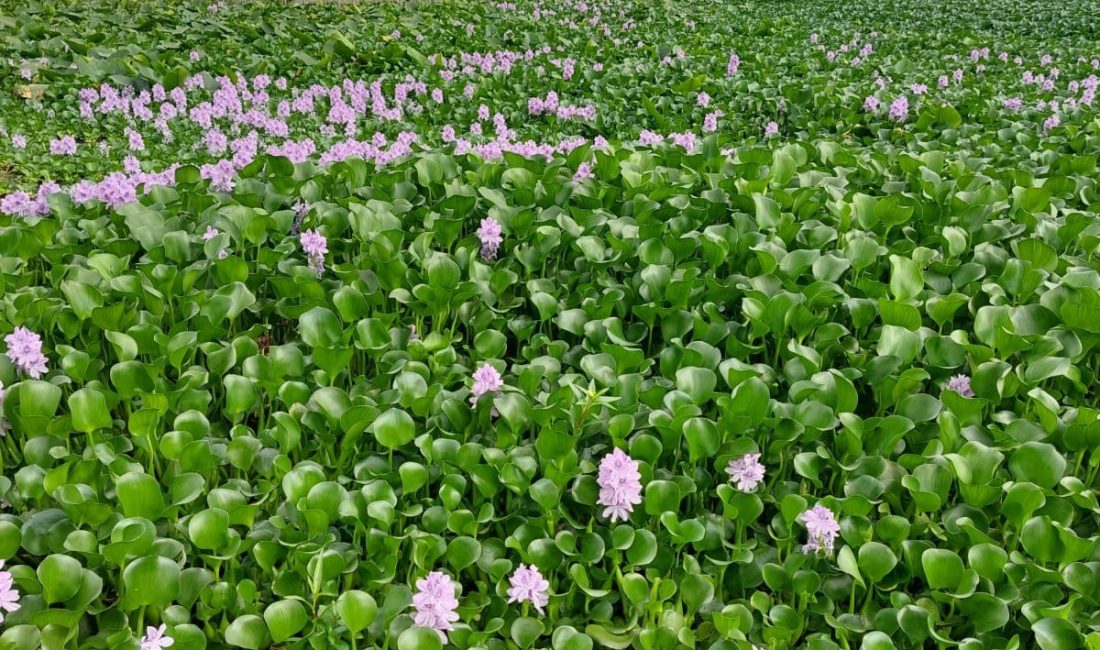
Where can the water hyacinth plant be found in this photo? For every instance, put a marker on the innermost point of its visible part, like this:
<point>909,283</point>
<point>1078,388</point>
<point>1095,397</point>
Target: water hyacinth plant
<point>518,325</point>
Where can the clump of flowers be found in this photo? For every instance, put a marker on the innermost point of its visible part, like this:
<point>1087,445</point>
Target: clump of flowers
<point>25,351</point>
<point>746,472</point>
<point>620,485</point>
<point>710,122</point>
<point>435,603</point>
<point>211,232</point>
<point>822,527</point>
<point>63,146</point>
<point>487,379</point>
<point>899,108</point>
<point>584,171</point>
<point>771,129</point>
<point>156,638</point>
<point>9,597</point>
<point>316,246</point>
<point>961,385</point>
<point>491,235</point>
<point>870,103</point>
<point>732,65</point>
<point>527,584</point>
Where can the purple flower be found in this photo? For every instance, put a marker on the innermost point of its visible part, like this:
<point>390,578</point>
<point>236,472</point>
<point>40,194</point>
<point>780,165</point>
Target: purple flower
<point>435,603</point>
<point>584,170</point>
<point>490,234</point>
<point>63,146</point>
<point>899,108</point>
<point>25,351</point>
<point>943,81</point>
<point>710,122</point>
<point>210,233</point>
<point>822,528</point>
<point>746,472</point>
<point>1051,122</point>
<point>9,597</point>
<point>702,99</point>
<point>316,246</point>
<point>18,141</point>
<point>528,584</point>
<point>733,64</point>
<point>222,254</point>
<point>771,129</point>
<point>961,385</point>
<point>156,638</point>
<point>486,380</point>
<point>1013,103</point>
<point>870,104</point>
<point>620,485</point>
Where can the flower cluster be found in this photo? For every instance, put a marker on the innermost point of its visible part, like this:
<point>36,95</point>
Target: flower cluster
<point>316,247</point>
<point>822,528</point>
<point>961,385</point>
<point>746,472</point>
<point>620,485</point>
<point>491,235</point>
<point>527,584</point>
<point>9,597</point>
<point>487,380</point>
<point>25,351</point>
<point>156,638</point>
<point>435,603</point>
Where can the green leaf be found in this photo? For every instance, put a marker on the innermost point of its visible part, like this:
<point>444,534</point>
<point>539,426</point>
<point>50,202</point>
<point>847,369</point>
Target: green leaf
<point>1056,634</point>
<point>357,610</point>
<point>248,631</point>
<point>284,619</point>
<point>60,577</point>
<point>89,411</point>
<point>150,580</point>
<point>419,638</point>
<point>906,278</point>
<point>942,568</point>
<point>140,495</point>
<point>394,428</point>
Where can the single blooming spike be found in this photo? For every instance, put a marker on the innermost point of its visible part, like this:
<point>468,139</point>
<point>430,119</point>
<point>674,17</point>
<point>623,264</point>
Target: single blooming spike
<point>870,103</point>
<point>961,385</point>
<point>584,171</point>
<point>899,108</point>
<point>491,235</point>
<point>316,246</point>
<point>25,351</point>
<point>486,380</point>
<point>746,472</point>
<point>9,597</point>
<point>620,485</point>
<point>733,64</point>
<point>156,638</point>
<point>210,233</point>
<point>435,603</point>
<point>527,584</point>
<point>822,527</point>
<point>771,129</point>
